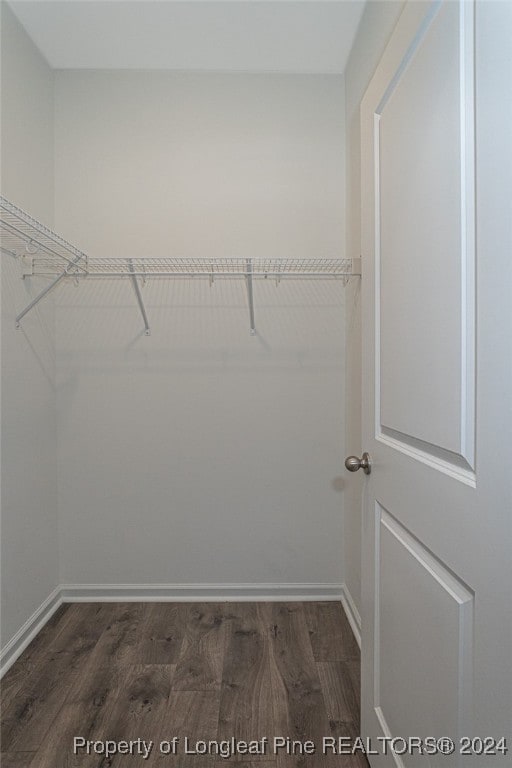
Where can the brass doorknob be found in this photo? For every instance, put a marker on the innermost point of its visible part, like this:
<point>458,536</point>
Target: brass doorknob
<point>352,463</point>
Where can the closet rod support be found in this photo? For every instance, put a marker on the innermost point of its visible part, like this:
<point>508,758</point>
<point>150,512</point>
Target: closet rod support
<point>136,288</point>
<point>250,297</point>
<point>47,290</point>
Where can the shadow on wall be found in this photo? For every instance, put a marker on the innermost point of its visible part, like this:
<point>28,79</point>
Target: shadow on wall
<point>297,323</point>
<point>37,332</point>
<point>338,484</point>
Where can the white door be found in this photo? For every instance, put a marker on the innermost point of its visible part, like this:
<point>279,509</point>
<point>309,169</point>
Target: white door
<point>437,330</point>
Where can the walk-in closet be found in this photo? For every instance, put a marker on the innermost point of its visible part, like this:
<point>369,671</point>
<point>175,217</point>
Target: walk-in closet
<point>255,391</point>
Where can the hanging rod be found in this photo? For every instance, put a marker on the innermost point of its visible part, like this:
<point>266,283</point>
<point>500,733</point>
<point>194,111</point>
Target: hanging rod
<point>43,253</point>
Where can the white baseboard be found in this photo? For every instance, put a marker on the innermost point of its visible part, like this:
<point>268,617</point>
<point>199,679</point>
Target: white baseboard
<point>353,615</point>
<point>110,593</point>
<point>29,630</point>
<point>75,593</point>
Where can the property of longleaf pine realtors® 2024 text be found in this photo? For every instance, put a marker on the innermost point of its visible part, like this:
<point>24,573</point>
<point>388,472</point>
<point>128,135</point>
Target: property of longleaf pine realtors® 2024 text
<point>283,745</point>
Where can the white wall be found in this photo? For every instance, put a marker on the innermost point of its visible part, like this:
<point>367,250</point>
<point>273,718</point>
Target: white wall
<point>377,23</point>
<point>200,454</point>
<point>28,440</point>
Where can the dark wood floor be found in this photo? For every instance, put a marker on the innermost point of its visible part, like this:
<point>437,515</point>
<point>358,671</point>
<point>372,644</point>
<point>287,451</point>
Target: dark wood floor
<point>208,671</point>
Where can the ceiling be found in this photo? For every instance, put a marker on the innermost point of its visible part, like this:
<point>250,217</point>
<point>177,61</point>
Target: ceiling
<point>296,36</point>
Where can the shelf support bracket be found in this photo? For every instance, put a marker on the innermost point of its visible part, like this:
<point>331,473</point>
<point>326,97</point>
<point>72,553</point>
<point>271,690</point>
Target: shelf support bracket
<point>138,294</point>
<point>47,290</point>
<point>250,297</point>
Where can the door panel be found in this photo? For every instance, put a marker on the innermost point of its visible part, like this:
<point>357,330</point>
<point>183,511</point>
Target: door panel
<point>424,175</point>
<point>411,582</point>
<point>423,230</point>
<point>437,520</point>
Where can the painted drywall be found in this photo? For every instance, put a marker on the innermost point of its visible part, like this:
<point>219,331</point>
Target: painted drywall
<point>377,23</point>
<point>28,438</point>
<point>200,454</point>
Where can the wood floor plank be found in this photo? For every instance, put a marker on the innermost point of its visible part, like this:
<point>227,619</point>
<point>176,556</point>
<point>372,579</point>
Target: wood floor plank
<point>74,720</point>
<point>16,759</point>
<point>162,632</point>
<point>99,708</point>
<point>193,715</point>
<point>12,682</point>
<point>354,670</point>
<point>33,710</point>
<point>340,698</point>
<point>330,633</point>
<point>51,629</point>
<point>140,707</point>
<point>30,714</point>
<point>84,623</point>
<point>118,643</point>
<point>29,660</point>
<point>246,704</point>
<point>201,658</point>
<point>299,708</point>
<point>86,713</point>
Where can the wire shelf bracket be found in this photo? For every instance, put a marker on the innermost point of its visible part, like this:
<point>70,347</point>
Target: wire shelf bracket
<point>250,297</point>
<point>45,291</point>
<point>45,254</point>
<point>136,288</point>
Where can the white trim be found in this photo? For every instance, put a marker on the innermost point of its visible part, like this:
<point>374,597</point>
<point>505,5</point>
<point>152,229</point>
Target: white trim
<point>466,476</point>
<point>111,593</point>
<point>353,615</point>
<point>24,636</point>
<point>75,593</point>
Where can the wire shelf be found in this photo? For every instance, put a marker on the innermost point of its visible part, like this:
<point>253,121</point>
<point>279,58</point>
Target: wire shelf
<point>21,235</point>
<point>43,253</point>
<point>152,267</point>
